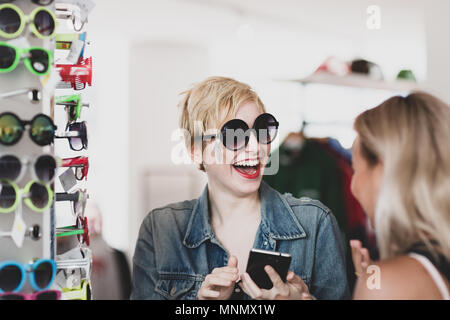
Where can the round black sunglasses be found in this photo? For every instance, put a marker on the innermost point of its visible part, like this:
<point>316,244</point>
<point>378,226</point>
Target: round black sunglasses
<point>235,134</point>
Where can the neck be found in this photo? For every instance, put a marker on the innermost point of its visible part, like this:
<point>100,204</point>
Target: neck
<point>227,207</point>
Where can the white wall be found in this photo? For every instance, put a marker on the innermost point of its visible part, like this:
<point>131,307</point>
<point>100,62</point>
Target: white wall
<point>438,47</point>
<point>160,71</point>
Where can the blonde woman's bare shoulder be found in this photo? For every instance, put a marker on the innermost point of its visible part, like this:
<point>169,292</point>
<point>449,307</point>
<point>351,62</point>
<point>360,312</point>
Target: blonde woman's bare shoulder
<point>401,278</point>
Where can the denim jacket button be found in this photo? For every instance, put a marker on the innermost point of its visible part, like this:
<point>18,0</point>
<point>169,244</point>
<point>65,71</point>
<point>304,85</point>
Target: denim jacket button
<point>265,243</point>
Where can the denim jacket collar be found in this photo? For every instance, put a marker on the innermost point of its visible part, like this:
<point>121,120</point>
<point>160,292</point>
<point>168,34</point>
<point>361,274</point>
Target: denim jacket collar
<point>277,218</point>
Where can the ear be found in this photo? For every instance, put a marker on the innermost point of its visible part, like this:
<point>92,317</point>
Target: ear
<point>379,169</point>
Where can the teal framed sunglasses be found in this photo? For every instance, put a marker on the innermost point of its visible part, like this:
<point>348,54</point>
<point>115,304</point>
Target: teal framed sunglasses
<point>41,274</point>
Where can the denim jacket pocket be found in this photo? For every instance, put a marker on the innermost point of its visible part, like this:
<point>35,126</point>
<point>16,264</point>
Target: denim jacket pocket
<point>178,286</point>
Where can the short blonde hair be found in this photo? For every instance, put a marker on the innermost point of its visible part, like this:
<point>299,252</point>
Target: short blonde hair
<point>205,103</point>
<point>411,137</point>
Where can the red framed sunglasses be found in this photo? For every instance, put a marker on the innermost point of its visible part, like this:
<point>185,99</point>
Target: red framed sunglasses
<point>81,165</point>
<point>80,229</point>
<point>76,76</point>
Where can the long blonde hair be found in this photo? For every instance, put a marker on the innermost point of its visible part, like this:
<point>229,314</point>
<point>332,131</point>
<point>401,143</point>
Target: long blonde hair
<point>411,136</point>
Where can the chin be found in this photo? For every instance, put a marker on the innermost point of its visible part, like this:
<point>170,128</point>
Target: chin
<point>245,183</point>
<point>249,188</point>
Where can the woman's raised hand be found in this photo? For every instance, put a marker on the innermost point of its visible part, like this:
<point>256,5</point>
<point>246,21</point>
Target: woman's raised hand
<point>360,256</point>
<point>219,284</point>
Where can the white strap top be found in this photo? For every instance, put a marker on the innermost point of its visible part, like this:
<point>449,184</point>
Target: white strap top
<point>434,273</point>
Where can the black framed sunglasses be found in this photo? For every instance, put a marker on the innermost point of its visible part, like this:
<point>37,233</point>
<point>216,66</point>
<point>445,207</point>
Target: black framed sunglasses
<point>77,134</point>
<point>41,129</point>
<point>235,134</point>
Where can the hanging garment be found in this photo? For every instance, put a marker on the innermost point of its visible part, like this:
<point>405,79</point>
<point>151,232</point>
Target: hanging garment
<point>311,172</point>
<point>357,221</point>
<point>336,146</point>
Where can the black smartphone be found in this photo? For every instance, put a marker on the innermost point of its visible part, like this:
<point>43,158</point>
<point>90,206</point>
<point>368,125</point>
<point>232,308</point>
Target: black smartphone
<point>258,259</point>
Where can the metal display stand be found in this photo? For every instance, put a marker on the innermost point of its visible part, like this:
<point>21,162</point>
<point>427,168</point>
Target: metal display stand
<point>14,98</point>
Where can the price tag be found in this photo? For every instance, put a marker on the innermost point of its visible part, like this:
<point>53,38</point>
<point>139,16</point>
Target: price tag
<point>85,6</point>
<point>75,51</point>
<point>74,279</point>
<point>18,231</point>
<point>51,80</point>
<point>68,180</point>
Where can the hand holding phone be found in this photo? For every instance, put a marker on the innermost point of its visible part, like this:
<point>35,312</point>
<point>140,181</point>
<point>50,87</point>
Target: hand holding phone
<point>274,282</point>
<point>258,259</point>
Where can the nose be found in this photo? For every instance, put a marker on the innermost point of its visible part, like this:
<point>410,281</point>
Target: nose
<point>253,144</point>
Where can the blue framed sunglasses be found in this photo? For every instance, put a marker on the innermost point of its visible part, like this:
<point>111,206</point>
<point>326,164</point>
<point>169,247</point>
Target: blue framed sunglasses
<point>41,274</point>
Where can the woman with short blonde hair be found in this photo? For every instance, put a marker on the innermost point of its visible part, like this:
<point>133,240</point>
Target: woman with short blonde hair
<point>198,249</point>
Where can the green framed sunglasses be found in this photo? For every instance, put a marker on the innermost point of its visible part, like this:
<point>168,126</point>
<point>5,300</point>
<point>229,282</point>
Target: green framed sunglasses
<point>73,104</point>
<point>13,21</point>
<point>38,197</point>
<point>36,59</point>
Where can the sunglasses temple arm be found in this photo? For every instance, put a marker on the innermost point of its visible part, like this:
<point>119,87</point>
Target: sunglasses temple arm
<point>15,93</point>
<point>70,233</point>
<point>84,104</point>
<point>61,196</point>
<point>70,134</point>
<point>28,233</point>
<point>66,104</point>
<point>74,263</point>
<point>209,136</point>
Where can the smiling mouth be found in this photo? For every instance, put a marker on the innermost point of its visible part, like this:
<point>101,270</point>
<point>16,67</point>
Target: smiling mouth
<point>248,169</point>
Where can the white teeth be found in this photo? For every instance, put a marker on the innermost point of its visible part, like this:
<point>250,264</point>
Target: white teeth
<point>248,163</point>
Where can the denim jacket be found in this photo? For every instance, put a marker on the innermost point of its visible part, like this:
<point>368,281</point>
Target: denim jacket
<point>177,247</point>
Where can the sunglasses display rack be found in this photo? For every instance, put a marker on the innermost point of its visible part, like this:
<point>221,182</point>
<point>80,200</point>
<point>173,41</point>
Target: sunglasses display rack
<point>26,207</point>
<point>71,111</point>
<point>43,139</point>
